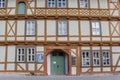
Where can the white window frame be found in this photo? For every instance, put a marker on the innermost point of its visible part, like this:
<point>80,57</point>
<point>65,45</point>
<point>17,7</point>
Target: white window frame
<point>20,54</point>
<point>2,4</point>
<point>84,3</point>
<point>106,58</point>
<point>31,54</point>
<point>95,28</point>
<point>62,28</point>
<point>62,3</point>
<point>96,58</point>
<point>51,3</point>
<point>30,28</point>
<point>86,59</point>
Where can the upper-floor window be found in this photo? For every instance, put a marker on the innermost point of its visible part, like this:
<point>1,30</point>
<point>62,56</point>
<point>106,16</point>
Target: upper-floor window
<point>95,28</point>
<point>2,3</point>
<point>61,3</point>
<point>21,8</point>
<point>62,28</point>
<point>51,3</point>
<point>85,58</point>
<point>83,3</point>
<point>56,3</point>
<point>106,58</point>
<point>30,28</point>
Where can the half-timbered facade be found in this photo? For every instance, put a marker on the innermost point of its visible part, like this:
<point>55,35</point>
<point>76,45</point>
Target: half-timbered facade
<point>60,37</point>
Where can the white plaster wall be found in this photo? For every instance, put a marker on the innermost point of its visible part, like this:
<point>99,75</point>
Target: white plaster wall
<point>10,66</point>
<point>31,66</point>
<point>41,26</point>
<point>107,69</point>
<point>30,38</point>
<point>32,4</point>
<point>115,58</point>
<point>11,3</point>
<point>93,3</point>
<point>103,4</point>
<point>74,38</point>
<point>51,38</point>
<point>2,66</point>
<point>2,27</point>
<point>22,65</point>
<point>29,11</point>
<point>51,27</point>
<point>96,38</point>
<point>40,3</point>
<point>11,54</point>
<point>2,53</point>
<point>115,49</point>
<point>39,48</point>
<point>73,52</point>
<point>85,48</point>
<point>20,28</point>
<point>85,28</point>
<point>105,28</point>
<point>38,66</point>
<point>11,11</point>
<point>73,28</point>
<point>72,3</point>
<point>62,38</point>
<point>96,48</point>
<point>85,69</point>
<point>73,70</point>
<point>105,48</point>
<point>114,12</point>
<point>96,69</point>
<point>85,38</point>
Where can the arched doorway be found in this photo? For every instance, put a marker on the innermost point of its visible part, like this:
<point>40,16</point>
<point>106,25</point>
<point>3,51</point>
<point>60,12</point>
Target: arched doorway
<point>57,63</point>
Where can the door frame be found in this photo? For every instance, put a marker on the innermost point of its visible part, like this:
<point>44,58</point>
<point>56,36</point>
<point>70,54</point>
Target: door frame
<point>47,61</point>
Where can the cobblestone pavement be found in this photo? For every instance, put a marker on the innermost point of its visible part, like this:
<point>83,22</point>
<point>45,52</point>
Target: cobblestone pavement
<point>82,77</point>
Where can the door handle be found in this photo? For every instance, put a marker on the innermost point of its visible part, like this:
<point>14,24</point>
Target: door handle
<point>57,66</point>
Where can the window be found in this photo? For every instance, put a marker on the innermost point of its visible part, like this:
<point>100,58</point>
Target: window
<point>106,58</point>
<point>73,60</point>
<point>2,3</point>
<point>26,54</point>
<point>85,58</point>
<point>61,3</point>
<point>21,8</point>
<point>30,54</point>
<point>20,54</point>
<point>30,28</point>
<point>83,3</point>
<point>51,3</point>
<point>95,28</point>
<point>96,58</point>
<point>62,28</point>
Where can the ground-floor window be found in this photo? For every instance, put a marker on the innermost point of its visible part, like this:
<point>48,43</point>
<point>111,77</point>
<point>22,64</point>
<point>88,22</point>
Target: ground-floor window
<point>26,54</point>
<point>95,58</point>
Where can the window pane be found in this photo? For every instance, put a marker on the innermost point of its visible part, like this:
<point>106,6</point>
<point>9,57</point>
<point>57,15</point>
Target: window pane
<point>95,28</point>
<point>106,58</point>
<point>21,8</point>
<point>85,58</point>
<point>61,3</point>
<point>2,3</point>
<point>30,28</point>
<point>83,3</point>
<point>20,54</point>
<point>96,58</point>
<point>62,27</point>
<point>51,3</point>
<point>30,54</point>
